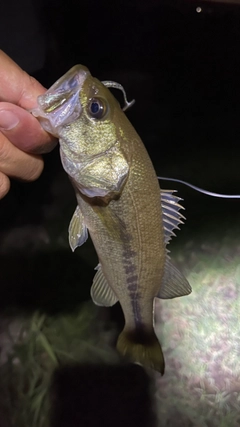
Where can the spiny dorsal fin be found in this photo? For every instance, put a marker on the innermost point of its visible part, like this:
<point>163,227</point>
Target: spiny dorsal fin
<point>77,230</point>
<point>171,215</point>
<point>174,284</point>
<point>101,292</point>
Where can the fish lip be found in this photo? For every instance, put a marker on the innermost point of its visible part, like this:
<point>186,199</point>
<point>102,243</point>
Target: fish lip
<point>60,104</point>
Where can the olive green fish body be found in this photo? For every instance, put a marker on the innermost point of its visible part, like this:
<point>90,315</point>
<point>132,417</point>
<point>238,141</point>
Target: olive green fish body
<point>128,237</point>
<point>121,228</point>
<point>120,204</point>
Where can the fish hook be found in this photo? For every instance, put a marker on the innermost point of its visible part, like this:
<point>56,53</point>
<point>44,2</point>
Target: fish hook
<point>116,85</point>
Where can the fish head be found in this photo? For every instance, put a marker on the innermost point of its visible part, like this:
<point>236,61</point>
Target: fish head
<point>82,112</point>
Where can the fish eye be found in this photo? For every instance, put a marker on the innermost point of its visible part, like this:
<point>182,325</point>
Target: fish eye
<point>97,108</point>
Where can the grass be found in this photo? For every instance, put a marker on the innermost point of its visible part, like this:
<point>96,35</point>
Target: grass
<point>44,344</point>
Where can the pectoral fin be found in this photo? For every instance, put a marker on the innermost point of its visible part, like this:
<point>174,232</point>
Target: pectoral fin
<point>101,292</point>
<point>174,284</point>
<point>77,231</point>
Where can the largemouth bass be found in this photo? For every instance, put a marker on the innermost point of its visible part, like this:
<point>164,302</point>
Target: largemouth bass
<point>130,220</point>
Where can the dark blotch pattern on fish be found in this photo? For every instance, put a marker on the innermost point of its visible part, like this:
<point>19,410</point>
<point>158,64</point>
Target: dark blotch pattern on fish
<point>130,271</point>
<point>132,288</point>
<point>136,310</point>
<point>132,279</point>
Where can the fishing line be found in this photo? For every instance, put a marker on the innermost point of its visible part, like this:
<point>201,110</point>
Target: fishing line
<point>201,190</point>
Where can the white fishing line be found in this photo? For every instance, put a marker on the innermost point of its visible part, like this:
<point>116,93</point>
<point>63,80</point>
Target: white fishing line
<point>201,190</point>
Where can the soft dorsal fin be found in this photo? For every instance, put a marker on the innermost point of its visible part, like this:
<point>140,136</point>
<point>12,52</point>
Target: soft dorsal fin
<point>171,215</point>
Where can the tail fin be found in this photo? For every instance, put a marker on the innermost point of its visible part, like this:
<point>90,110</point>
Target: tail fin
<point>143,350</point>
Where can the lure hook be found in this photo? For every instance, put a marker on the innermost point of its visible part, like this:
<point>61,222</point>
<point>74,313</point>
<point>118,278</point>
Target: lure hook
<point>115,85</point>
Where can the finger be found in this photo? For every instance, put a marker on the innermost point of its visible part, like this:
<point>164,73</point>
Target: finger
<point>4,185</point>
<point>18,164</point>
<point>24,130</point>
<point>17,86</point>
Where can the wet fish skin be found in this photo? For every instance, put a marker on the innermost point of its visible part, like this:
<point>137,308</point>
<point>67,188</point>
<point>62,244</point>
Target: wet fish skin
<point>119,231</point>
<point>119,203</point>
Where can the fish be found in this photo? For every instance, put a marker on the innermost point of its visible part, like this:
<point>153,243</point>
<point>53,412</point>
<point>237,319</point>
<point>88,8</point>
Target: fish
<point>119,203</point>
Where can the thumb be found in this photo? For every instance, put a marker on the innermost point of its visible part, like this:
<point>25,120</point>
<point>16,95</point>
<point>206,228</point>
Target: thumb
<point>23,130</point>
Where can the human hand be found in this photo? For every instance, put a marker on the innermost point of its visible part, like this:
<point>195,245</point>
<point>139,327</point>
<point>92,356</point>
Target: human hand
<point>22,138</point>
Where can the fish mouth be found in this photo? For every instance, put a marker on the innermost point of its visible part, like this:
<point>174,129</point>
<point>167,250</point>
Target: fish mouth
<point>60,104</point>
